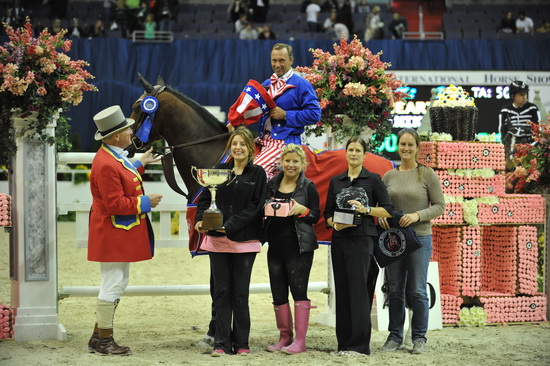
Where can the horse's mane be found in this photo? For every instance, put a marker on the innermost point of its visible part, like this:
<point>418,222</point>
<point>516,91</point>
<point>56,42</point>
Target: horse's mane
<point>203,112</point>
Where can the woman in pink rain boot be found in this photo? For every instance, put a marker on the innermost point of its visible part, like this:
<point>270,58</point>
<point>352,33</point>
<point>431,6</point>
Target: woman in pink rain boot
<point>292,209</point>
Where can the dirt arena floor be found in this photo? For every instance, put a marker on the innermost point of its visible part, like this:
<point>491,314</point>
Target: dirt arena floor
<point>164,330</point>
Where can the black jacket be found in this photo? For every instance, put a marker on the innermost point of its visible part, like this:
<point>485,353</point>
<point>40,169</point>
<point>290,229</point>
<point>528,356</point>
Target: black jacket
<point>376,191</point>
<point>241,203</point>
<point>305,194</point>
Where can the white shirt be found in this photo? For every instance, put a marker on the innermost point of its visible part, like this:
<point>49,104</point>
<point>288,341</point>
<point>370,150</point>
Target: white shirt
<point>525,25</point>
<point>312,13</point>
<point>121,152</point>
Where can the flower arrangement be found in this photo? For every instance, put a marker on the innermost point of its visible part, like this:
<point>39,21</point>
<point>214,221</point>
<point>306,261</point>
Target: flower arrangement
<point>353,82</point>
<point>532,173</point>
<point>36,77</point>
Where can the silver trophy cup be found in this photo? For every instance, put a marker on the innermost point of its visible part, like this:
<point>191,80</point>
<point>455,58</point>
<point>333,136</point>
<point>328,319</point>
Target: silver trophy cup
<point>212,218</point>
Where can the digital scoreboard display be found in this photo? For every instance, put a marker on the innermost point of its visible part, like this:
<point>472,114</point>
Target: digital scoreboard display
<point>488,99</point>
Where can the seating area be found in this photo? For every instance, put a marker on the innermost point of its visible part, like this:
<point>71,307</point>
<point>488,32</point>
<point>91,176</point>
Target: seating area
<point>478,21</point>
<point>210,21</point>
<point>201,21</point>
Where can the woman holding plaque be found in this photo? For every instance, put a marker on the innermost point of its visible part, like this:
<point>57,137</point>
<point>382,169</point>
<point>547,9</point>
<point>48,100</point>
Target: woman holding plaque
<point>365,195</point>
<point>291,211</point>
<point>233,246</point>
<point>415,189</point>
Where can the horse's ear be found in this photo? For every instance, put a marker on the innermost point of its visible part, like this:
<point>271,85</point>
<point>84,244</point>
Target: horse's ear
<point>146,85</point>
<point>160,81</point>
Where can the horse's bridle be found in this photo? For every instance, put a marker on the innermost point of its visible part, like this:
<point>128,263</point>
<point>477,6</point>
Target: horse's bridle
<point>157,89</point>
<point>168,151</point>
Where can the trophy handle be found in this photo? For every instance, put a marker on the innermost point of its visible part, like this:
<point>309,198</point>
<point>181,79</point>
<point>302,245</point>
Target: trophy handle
<point>195,175</point>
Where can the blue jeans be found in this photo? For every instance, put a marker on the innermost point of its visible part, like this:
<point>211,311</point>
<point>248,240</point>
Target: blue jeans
<point>412,272</point>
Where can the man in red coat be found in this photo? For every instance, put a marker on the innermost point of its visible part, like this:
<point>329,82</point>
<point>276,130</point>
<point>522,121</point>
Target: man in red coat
<point>120,231</point>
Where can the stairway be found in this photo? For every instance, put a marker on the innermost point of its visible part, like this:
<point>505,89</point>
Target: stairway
<point>433,13</point>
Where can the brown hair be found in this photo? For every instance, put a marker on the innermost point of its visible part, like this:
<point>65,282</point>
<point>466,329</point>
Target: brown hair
<point>248,140</point>
<point>284,46</point>
<point>414,134</point>
<point>360,141</point>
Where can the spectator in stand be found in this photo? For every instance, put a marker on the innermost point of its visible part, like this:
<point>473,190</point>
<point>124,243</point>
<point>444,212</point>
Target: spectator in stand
<point>121,18</point>
<point>75,30</point>
<point>374,25</point>
<point>56,26</point>
<point>545,27</point>
<point>328,25</point>
<point>330,5</point>
<point>312,16</point>
<point>248,33</point>
<point>241,23</point>
<point>98,29</point>
<point>267,33</point>
<point>134,8</point>
<point>236,9</point>
<point>165,13</point>
<point>397,26</point>
<point>334,28</point>
<point>142,12</point>
<point>258,9</point>
<point>108,12</point>
<point>37,27</point>
<point>507,24</point>
<point>524,24</point>
<point>362,7</point>
<point>345,16</point>
<point>15,15</point>
<point>150,26</point>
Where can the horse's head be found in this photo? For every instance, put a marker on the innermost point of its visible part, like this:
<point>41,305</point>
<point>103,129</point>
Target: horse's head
<point>140,115</point>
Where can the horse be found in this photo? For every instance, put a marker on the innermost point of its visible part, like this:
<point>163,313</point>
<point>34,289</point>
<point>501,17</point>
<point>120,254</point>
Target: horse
<point>194,136</point>
<point>197,138</point>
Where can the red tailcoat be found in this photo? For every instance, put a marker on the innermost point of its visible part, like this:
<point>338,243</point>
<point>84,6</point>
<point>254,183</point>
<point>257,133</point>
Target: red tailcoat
<point>119,229</point>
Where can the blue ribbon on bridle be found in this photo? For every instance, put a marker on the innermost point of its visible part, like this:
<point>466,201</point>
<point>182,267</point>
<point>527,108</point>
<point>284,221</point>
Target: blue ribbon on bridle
<point>148,105</point>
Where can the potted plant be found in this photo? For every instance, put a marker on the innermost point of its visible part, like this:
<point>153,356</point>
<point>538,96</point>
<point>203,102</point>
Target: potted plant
<point>353,83</point>
<point>38,83</point>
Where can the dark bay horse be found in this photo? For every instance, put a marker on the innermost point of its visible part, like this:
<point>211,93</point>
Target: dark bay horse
<point>198,139</point>
<point>195,135</point>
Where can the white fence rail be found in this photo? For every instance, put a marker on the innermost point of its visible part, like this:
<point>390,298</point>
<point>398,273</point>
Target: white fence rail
<point>76,197</point>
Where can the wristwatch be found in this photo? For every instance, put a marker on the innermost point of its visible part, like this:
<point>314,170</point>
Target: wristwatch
<point>367,210</point>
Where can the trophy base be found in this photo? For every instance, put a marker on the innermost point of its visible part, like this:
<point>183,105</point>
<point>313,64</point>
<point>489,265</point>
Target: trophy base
<point>349,217</point>
<point>212,220</point>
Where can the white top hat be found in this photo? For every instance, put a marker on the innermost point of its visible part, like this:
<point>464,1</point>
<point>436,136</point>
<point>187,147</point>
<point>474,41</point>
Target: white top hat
<point>109,121</point>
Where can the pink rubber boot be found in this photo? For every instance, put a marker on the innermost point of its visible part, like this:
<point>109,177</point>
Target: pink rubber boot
<point>301,316</point>
<point>283,317</point>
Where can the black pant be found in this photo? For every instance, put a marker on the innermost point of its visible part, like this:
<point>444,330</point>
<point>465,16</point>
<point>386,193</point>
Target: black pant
<point>288,268</point>
<point>212,325</point>
<point>351,260</point>
<point>231,274</point>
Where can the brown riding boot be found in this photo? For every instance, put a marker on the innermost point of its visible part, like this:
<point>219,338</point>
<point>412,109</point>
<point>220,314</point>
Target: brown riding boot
<point>93,339</point>
<point>107,345</point>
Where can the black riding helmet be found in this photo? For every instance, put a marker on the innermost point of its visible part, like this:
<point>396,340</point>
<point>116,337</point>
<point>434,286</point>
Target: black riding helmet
<point>517,86</point>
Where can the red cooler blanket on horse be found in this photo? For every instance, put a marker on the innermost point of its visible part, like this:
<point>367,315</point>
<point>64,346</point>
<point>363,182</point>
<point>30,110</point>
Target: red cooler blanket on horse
<point>321,167</point>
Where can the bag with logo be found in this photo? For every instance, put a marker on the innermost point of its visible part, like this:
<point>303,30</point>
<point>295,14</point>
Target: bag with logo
<point>277,207</point>
<point>396,242</point>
